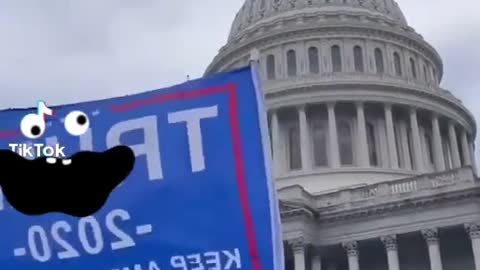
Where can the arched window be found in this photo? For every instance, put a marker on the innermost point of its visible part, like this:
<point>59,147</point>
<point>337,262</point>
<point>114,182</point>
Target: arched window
<point>398,64</point>
<point>425,74</point>
<point>313,60</point>
<point>336,59</point>
<point>345,144</point>
<point>372,144</point>
<point>294,155</point>
<point>270,67</point>
<point>379,61</point>
<point>358,58</point>
<point>413,66</point>
<point>435,79</point>
<point>291,63</point>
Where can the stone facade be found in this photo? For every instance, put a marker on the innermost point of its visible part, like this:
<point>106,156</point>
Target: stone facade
<point>373,161</point>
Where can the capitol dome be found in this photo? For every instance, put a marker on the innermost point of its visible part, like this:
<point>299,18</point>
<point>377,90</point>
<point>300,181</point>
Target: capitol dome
<point>367,146</point>
<point>353,93</point>
<point>257,11</point>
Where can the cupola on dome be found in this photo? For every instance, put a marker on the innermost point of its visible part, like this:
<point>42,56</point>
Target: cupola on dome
<point>256,11</point>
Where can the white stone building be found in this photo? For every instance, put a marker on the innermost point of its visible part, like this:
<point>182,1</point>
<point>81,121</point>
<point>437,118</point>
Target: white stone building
<point>373,160</point>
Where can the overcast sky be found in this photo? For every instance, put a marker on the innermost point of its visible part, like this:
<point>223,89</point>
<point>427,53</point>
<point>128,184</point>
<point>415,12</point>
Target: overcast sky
<point>75,50</point>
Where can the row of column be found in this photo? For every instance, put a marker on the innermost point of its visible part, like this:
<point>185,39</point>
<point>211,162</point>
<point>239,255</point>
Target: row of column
<point>391,247</point>
<point>362,145</point>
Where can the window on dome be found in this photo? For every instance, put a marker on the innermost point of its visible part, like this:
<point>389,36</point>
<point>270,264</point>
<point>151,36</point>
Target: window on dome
<point>358,58</point>
<point>425,74</point>
<point>313,60</point>
<point>291,63</point>
<point>320,144</point>
<point>372,144</point>
<point>413,67</point>
<point>270,67</point>
<point>294,155</point>
<point>379,61</point>
<point>262,4</point>
<point>336,59</point>
<point>398,64</point>
<point>434,75</point>
<point>345,143</point>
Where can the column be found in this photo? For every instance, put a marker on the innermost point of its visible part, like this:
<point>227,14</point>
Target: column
<point>405,147</point>
<point>467,161</point>
<point>454,145</point>
<point>275,144</point>
<point>316,259</point>
<point>254,56</point>
<point>392,147</point>
<point>352,253</point>
<point>333,153</point>
<point>439,158</point>
<point>417,147</point>
<point>304,139</point>
<point>298,246</point>
<point>431,237</point>
<point>390,243</point>
<point>472,157</point>
<point>302,59</point>
<point>362,144</point>
<point>473,230</point>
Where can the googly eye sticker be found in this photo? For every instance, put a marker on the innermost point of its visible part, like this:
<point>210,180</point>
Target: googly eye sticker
<point>77,123</point>
<point>32,126</point>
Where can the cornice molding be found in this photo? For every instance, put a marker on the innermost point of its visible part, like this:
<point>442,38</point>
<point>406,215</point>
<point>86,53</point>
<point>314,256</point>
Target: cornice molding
<point>395,90</point>
<point>401,205</point>
<point>288,212</point>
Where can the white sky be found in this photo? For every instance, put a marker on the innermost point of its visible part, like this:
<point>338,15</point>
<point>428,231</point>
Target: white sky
<point>74,50</point>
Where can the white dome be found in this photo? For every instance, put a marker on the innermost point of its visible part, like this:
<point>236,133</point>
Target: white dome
<point>352,92</point>
<point>254,11</point>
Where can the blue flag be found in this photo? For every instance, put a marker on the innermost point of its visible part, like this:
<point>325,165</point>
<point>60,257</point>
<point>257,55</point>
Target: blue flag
<point>199,197</point>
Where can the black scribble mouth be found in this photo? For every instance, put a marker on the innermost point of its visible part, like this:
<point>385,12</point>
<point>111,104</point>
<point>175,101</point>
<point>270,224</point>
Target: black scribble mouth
<point>77,186</point>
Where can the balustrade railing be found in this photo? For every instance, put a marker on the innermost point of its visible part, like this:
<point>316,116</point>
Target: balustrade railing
<point>392,188</point>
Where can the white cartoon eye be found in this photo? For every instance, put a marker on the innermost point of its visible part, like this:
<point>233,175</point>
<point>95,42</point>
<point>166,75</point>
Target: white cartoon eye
<point>32,126</point>
<point>76,123</point>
